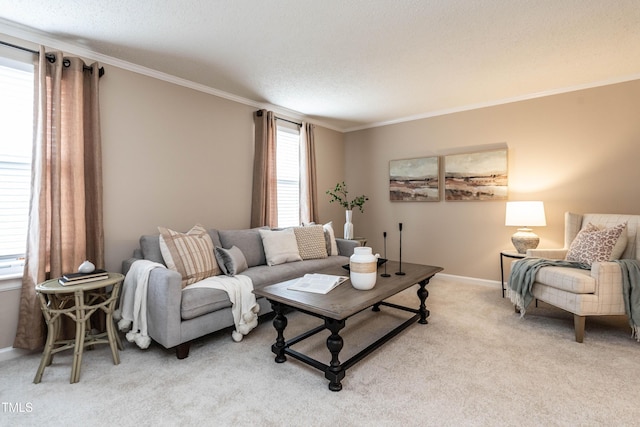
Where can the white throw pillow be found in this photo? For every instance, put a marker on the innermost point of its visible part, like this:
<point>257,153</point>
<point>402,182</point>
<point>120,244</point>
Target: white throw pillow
<point>330,236</point>
<point>280,246</point>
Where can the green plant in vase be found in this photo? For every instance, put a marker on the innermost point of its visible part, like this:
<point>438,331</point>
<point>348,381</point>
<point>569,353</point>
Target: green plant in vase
<point>340,194</point>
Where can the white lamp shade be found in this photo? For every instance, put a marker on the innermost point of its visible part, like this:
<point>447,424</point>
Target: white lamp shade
<point>525,214</point>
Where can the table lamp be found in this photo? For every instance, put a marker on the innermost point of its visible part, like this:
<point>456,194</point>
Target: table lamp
<point>524,215</point>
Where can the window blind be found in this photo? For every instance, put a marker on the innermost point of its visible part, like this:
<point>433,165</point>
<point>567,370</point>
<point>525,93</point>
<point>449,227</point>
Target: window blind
<point>16,135</point>
<point>288,176</point>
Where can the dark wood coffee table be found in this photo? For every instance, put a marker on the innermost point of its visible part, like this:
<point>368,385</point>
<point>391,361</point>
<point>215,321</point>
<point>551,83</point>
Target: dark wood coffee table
<point>337,306</point>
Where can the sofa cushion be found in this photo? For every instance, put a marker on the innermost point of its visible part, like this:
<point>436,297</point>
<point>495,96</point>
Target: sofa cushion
<point>231,261</point>
<point>280,246</point>
<point>150,248</point>
<point>264,275</point>
<point>199,301</point>
<point>593,244</point>
<point>190,254</point>
<point>248,241</point>
<point>574,280</point>
<point>330,238</point>
<point>311,242</point>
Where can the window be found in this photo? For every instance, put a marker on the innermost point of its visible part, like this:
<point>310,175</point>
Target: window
<point>288,176</point>
<point>16,137</point>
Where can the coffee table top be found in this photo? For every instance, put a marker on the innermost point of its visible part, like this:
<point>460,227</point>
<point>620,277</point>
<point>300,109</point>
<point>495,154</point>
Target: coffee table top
<point>345,301</point>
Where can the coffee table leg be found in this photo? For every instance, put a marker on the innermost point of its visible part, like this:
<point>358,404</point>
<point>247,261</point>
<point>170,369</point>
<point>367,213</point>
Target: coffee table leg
<point>423,293</point>
<point>335,371</point>
<point>279,322</point>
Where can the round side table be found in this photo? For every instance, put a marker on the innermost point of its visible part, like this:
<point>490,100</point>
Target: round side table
<point>508,254</point>
<point>78,302</point>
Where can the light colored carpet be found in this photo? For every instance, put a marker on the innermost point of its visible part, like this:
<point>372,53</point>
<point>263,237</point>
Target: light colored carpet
<point>475,363</point>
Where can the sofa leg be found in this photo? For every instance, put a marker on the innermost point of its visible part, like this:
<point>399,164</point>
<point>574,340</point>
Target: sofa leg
<point>182,350</point>
<point>578,324</point>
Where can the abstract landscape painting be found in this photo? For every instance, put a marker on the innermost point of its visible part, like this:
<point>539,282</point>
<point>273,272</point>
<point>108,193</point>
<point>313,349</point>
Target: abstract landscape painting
<point>414,180</point>
<point>476,176</point>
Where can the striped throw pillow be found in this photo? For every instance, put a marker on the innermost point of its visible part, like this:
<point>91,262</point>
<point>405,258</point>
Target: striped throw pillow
<point>190,254</point>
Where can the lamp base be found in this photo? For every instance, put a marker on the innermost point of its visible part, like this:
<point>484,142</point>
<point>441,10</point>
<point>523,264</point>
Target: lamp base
<point>524,239</point>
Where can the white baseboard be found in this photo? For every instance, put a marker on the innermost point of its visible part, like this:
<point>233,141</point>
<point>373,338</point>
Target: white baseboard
<point>9,353</point>
<point>468,280</point>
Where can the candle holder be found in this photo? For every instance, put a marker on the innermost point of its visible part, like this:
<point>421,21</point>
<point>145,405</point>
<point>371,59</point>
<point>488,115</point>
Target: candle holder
<point>400,272</point>
<point>385,274</point>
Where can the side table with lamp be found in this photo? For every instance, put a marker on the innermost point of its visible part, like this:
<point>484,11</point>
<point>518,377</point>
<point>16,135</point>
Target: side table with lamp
<point>523,215</point>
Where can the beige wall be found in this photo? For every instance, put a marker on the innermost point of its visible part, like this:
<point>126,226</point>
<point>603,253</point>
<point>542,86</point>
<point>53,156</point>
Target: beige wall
<point>174,157</point>
<point>577,152</point>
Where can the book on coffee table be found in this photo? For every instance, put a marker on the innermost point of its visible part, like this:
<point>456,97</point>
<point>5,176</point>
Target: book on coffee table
<point>317,283</point>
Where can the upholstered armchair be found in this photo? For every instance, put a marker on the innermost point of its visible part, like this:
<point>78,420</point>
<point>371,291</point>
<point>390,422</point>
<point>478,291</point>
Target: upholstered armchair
<point>583,292</point>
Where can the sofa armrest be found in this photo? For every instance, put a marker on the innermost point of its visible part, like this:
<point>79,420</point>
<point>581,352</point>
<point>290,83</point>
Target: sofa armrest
<point>164,298</point>
<point>608,277</point>
<point>346,247</point>
<point>126,264</point>
<point>547,253</point>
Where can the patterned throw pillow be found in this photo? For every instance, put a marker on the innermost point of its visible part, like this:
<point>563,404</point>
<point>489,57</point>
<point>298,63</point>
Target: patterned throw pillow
<point>190,254</point>
<point>311,242</point>
<point>593,244</point>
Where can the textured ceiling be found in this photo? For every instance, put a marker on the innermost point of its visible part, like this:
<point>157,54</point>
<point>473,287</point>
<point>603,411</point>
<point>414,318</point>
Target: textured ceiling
<point>357,63</point>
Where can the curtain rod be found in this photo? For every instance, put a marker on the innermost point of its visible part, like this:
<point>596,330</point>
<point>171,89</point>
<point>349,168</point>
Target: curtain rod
<point>50,57</point>
<point>259,112</point>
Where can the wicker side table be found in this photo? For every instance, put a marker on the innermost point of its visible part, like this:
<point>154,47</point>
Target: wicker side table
<point>78,302</point>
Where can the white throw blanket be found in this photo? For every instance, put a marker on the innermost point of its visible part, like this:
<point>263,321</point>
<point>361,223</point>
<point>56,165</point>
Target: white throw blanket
<point>243,301</point>
<point>132,314</point>
<point>133,302</point>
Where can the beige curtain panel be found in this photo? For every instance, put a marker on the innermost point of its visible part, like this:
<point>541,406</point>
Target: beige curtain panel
<point>308,184</point>
<point>65,218</point>
<point>264,203</point>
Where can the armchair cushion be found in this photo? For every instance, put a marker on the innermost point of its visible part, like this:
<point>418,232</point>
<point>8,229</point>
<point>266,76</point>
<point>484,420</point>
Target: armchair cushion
<point>575,280</point>
<point>593,244</point>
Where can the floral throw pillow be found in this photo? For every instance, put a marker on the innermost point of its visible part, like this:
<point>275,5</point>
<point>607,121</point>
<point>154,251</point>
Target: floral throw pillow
<point>593,244</point>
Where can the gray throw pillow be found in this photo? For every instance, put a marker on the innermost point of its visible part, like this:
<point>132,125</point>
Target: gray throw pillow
<point>231,261</point>
<point>248,241</point>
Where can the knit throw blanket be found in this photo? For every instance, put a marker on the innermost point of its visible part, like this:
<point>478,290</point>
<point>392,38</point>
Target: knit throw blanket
<point>244,307</point>
<point>523,275</point>
<point>631,293</point>
<point>132,314</point>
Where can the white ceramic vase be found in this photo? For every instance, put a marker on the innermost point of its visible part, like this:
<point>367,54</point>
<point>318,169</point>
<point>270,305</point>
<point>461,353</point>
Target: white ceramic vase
<point>348,226</point>
<point>363,267</point>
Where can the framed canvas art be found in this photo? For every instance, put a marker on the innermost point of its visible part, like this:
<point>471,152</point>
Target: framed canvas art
<point>414,180</point>
<point>476,176</point>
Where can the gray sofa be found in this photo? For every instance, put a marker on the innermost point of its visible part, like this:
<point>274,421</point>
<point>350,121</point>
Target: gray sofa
<point>175,316</point>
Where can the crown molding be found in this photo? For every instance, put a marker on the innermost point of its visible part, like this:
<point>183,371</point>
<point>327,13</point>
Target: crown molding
<point>36,38</point>
<point>498,102</point>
